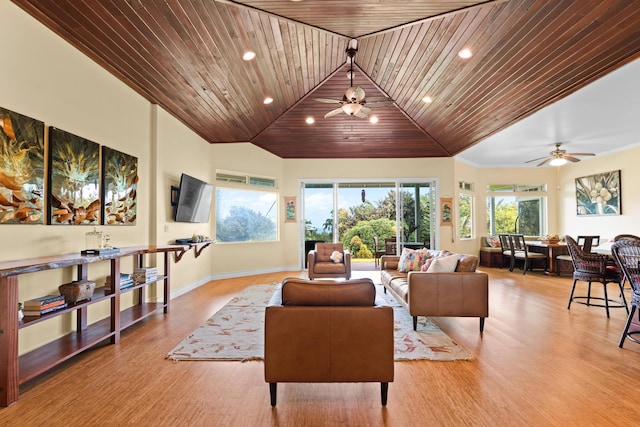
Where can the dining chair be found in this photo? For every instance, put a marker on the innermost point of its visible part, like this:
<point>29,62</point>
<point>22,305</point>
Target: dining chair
<point>626,237</point>
<point>585,243</point>
<point>521,252</point>
<point>390,246</point>
<point>626,253</point>
<point>507,253</point>
<point>589,267</point>
<point>379,249</point>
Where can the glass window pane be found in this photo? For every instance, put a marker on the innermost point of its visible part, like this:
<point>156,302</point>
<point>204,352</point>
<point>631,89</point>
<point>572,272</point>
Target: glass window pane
<point>465,209</point>
<point>246,216</point>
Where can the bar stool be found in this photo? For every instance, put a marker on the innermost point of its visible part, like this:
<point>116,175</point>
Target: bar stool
<point>585,243</point>
<point>626,252</point>
<point>588,267</point>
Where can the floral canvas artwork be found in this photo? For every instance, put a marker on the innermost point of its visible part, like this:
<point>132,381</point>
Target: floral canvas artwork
<point>598,194</point>
<point>119,183</point>
<point>21,169</point>
<point>74,185</point>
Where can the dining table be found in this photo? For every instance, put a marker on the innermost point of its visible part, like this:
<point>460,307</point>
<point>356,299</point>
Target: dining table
<point>550,248</point>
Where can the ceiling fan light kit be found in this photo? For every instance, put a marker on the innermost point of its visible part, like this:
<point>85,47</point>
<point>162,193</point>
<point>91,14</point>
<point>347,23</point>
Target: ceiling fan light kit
<point>353,101</point>
<point>559,157</point>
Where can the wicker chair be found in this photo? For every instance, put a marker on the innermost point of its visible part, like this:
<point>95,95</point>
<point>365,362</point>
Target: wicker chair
<point>626,252</point>
<point>588,267</point>
<point>585,243</point>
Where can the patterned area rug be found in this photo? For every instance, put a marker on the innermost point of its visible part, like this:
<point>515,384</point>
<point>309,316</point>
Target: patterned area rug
<point>236,333</point>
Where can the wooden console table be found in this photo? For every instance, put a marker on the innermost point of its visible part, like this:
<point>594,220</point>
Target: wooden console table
<point>15,369</point>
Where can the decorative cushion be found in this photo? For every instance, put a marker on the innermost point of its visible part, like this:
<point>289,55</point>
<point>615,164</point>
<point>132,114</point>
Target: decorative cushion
<point>493,241</point>
<point>445,264</point>
<point>412,260</point>
<point>336,257</point>
<point>426,264</point>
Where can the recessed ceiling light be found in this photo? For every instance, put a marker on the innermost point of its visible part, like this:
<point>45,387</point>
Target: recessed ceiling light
<point>268,100</point>
<point>374,119</point>
<point>310,120</point>
<point>465,53</point>
<point>427,100</point>
<point>249,55</point>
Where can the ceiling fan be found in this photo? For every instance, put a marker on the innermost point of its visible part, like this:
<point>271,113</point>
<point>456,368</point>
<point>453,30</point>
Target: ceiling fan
<point>559,157</point>
<point>353,101</point>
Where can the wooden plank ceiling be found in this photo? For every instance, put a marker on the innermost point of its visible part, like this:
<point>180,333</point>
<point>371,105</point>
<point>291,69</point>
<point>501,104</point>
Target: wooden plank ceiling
<point>185,55</point>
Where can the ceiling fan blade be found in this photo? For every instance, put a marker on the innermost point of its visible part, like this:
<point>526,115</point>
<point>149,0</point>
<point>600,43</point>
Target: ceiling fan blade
<point>363,113</point>
<point>580,154</point>
<point>328,101</point>
<point>333,113</point>
<point>539,158</point>
<point>544,162</point>
<point>571,159</point>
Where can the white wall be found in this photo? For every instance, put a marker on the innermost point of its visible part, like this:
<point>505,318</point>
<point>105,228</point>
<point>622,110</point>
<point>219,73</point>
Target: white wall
<point>606,227</point>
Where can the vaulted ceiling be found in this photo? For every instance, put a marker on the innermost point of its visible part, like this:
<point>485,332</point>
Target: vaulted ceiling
<point>186,56</point>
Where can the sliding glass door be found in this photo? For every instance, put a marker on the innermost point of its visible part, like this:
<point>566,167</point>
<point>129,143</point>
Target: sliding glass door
<point>354,212</point>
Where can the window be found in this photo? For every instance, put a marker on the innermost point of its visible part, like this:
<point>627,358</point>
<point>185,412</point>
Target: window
<point>465,209</point>
<point>246,215</point>
<point>517,209</point>
<point>240,178</point>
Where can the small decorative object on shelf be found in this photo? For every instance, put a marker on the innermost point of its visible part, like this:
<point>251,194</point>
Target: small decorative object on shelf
<point>144,274</point>
<point>197,238</point>
<point>98,243</point>
<point>77,290</point>
<point>20,313</point>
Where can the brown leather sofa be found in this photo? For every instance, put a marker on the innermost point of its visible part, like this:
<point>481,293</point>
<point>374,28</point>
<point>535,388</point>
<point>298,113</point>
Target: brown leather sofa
<point>327,331</point>
<point>322,266</point>
<point>463,293</point>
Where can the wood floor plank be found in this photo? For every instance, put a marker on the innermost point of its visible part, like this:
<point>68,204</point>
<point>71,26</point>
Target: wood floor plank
<point>537,363</point>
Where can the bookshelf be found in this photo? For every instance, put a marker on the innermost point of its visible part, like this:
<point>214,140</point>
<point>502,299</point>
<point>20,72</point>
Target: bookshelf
<point>16,369</point>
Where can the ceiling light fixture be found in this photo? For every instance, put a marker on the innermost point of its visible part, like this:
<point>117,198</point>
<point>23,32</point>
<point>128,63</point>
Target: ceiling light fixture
<point>351,109</point>
<point>268,100</point>
<point>465,54</point>
<point>427,100</point>
<point>373,119</point>
<point>249,55</point>
<point>310,120</point>
<point>558,161</point>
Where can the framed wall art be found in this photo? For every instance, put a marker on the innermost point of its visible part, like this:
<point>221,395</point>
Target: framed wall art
<point>21,169</point>
<point>74,185</point>
<point>599,194</point>
<point>290,209</point>
<point>119,187</point>
<point>446,211</point>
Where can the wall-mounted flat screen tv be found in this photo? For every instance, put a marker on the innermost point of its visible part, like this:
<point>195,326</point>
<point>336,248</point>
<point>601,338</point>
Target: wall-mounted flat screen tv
<point>194,199</point>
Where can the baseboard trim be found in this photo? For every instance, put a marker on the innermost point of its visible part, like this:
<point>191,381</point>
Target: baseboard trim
<point>190,287</point>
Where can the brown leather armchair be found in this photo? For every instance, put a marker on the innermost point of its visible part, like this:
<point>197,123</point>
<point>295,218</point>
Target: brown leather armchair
<point>322,266</point>
<point>326,331</point>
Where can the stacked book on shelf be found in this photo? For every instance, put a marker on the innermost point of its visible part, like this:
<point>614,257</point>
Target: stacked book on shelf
<point>144,275</point>
<point>43,305</point>
<point>126,281</point>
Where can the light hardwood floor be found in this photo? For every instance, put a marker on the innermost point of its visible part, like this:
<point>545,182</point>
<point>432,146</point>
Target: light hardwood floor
<point>537,364</point>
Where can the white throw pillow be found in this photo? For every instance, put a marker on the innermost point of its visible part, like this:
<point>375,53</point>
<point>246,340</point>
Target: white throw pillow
<point>336,257</point>
<point>445,264</point>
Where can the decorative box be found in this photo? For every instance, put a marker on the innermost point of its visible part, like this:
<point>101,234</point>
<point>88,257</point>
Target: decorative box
<point>78,290</point>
